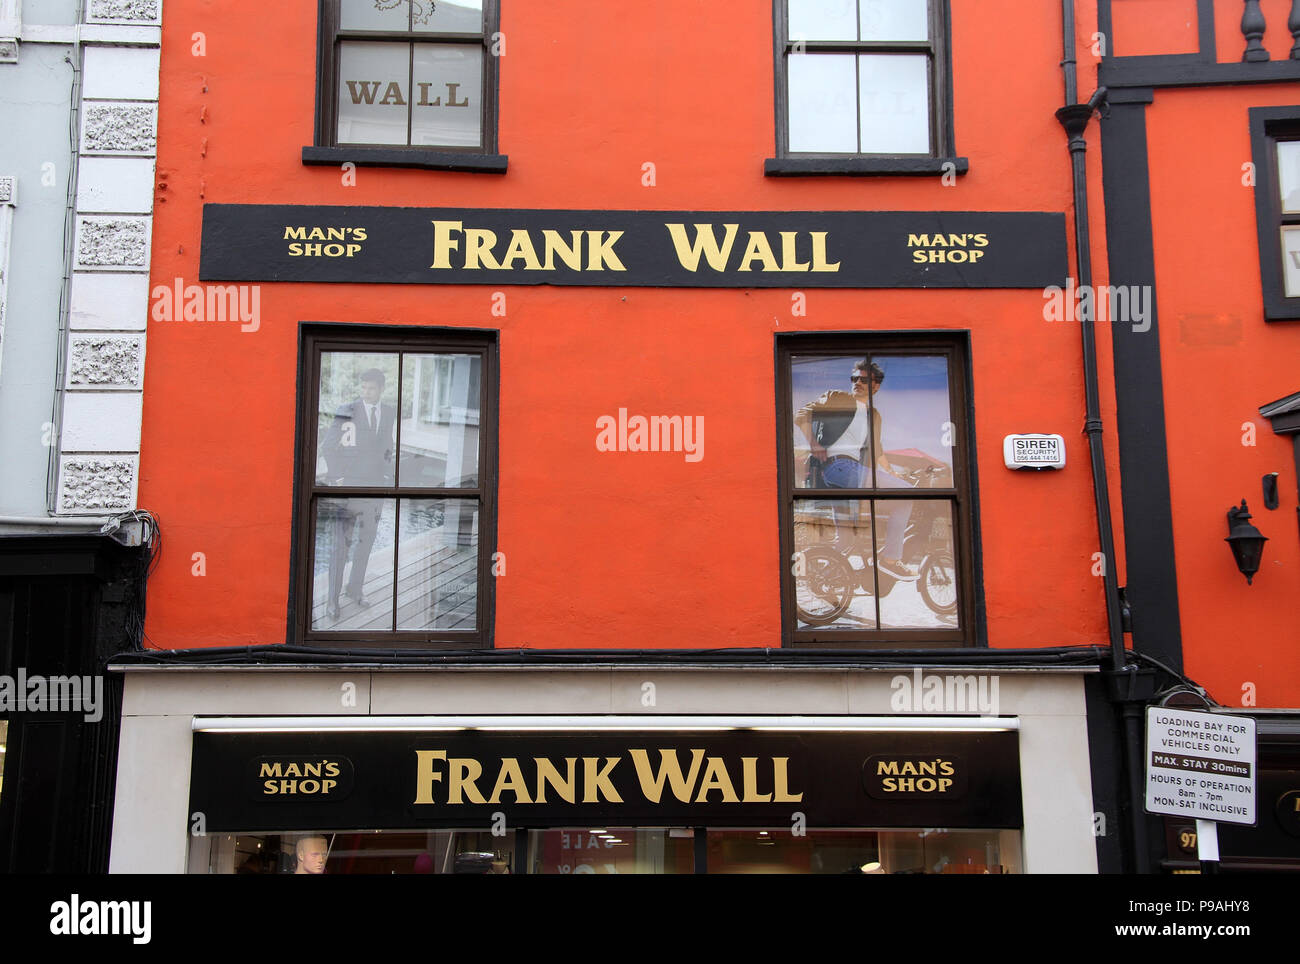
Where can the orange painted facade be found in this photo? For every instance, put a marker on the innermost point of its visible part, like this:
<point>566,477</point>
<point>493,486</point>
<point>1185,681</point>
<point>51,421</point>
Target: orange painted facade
<point>648,551</point>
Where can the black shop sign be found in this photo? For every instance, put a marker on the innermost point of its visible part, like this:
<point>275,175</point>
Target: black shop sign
<point>340,779</point>
<point>694,249</point>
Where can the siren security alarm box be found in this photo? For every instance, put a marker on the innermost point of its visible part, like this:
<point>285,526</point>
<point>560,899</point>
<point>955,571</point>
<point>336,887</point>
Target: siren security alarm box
<point>1034,451</point>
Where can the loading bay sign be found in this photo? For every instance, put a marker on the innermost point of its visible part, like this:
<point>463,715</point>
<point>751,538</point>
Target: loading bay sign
<point>1201,765</point>
<point>669,249</point>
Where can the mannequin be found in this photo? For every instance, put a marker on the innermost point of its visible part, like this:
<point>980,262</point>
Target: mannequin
<point>312,852</point>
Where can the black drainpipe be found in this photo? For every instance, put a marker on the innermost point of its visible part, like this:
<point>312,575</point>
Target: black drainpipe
<point>1127,685</point>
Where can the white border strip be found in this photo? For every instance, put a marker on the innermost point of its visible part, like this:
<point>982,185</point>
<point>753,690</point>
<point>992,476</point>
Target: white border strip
<point>283,724</point>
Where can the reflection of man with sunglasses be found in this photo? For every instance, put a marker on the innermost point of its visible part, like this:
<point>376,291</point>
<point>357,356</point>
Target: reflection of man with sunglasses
<point>844,431</point>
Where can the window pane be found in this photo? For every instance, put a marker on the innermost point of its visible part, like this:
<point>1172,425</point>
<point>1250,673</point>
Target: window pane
<point>464,16</point>
<point>777,851</point>
<point>356,421</point>
<point>823,20</point>
<point>832,424</point>
<point>375,15</point>
<point>440,421</point>
<point>833,421</point>
<point>851,569</point>
<point>895,19</point>
<point>448,95</point>
<point>437,565</point>
<point>611,850</point>
<point>895,112</point>
<point>917,432</point>
<point>924,541</point>
<point>371,852</point>
<point>823,108</point>
<point>834,584</point>
<point>372,92</point>
<point>1291,262</point>
<point>352,571</point>
<point>1288,175</point>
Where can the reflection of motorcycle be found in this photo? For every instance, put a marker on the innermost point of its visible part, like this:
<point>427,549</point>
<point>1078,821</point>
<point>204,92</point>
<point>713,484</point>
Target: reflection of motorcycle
<point>826,581</point>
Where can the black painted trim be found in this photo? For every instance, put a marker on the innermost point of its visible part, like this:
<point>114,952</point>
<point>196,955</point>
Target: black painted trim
<point>1152,589</point>
<point>301,438</point>
<point>1106,762</point>
<point>56,554</point>
<point>976,532</point>
<point>1176,71</point>
<point>405,157</point>
<point>1288,424</point>
<point>1268,125</point>
<point>268,657</point>
<point>1205,29</point>
<point>1206,52</point>
<point>324,60</point>
<point>1130,95</point>
<point>857,164</point>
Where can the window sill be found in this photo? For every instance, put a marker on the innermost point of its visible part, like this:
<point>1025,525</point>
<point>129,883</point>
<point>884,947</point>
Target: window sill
<point>1281,308</point>
<point>428,160</point>
<point>863,166</point>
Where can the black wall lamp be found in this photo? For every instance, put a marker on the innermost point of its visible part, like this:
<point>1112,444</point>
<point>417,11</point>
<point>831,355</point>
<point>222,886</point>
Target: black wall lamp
<point>1246,542</point>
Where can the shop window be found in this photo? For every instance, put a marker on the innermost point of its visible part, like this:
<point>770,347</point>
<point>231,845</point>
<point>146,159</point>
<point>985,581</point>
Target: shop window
<point>612,850</point>
<point>876,504</point>
<point>604,851</point>
<point>394,520</point>
<point>864,852</point>
<point>1275,143</point>
<point>862,87</point>
<point>325,852</point>
<point>408,83</point>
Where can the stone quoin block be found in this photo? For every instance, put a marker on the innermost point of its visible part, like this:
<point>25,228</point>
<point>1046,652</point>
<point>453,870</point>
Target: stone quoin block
<point>97,483</point>
<point>119,128</point>
<point>105,361</point>
<point>111,242</point>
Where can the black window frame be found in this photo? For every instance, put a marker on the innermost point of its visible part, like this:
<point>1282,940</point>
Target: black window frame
<point>317,337</point>
<point>1268,127</point>
<point>942,158</point>
<point>326,150</point>
<point>955,347</point>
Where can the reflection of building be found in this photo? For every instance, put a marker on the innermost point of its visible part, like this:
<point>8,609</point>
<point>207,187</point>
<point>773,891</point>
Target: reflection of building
<point>562,604</point>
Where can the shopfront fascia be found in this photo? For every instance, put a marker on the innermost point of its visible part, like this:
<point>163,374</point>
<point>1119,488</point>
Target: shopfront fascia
<point>521,770</point>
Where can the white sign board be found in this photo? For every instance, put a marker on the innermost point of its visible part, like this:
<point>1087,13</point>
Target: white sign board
<point>1200,765</point>
<point>1033,451</point>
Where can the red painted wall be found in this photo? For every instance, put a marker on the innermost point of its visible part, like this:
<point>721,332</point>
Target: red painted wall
<point>1222,361</point>
<point>606,549</point>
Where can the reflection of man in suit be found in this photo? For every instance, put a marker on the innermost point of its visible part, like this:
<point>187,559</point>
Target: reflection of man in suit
<point>358,451</point>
